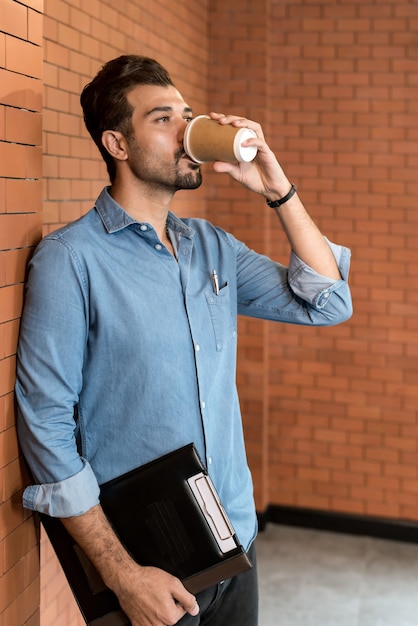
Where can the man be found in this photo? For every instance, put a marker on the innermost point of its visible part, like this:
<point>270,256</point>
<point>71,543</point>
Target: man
<point>127,349</point>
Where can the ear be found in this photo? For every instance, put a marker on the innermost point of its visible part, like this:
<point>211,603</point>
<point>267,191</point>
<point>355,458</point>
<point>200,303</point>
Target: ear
<point>115,144</point>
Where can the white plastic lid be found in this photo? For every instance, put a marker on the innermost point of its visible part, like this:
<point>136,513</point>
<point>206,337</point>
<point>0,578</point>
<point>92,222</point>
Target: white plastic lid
<point>244,153</point>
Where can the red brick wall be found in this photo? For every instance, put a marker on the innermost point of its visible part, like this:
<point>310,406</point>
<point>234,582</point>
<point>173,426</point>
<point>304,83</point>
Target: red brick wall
<point>343,427</point>
<point>330,414</point>
<point>20,229</point>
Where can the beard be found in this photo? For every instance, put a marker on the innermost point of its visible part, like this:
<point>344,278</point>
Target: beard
<point>192,179</point>
<point>163,175</point>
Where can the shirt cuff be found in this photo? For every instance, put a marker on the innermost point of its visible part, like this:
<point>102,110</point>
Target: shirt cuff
<point>66,498</point>
<point>315,288</point>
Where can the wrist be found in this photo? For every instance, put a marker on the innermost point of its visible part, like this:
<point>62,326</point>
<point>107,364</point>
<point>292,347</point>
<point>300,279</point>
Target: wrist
<point>118,571</point>
<point>275,200</point>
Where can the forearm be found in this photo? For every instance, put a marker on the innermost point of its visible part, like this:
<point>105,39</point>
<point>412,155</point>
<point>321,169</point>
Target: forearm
<point>94,534</point>
<point>305,238</point>
<point>148,595</point>
<point>265,175</point>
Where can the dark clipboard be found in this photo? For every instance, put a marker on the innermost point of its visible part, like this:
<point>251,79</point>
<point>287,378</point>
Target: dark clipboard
<point>167,514</point>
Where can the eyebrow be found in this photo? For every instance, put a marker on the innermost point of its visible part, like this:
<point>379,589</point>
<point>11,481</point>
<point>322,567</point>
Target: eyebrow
<point>166,109</point>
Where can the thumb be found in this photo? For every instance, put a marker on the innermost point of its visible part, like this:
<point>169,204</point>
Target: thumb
<point>190,604</point>
<point>224,167</point>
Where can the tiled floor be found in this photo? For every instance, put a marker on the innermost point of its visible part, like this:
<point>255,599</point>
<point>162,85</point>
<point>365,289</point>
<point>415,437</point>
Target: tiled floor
<point>315,578</point>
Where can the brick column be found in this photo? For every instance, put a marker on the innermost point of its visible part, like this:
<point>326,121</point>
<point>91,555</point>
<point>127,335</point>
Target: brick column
<point>20,229</point>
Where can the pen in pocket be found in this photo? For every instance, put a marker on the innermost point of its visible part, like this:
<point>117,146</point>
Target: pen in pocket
<point>215,282</point>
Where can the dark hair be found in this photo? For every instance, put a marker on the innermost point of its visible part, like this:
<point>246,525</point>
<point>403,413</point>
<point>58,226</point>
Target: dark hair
<point>104,102</point>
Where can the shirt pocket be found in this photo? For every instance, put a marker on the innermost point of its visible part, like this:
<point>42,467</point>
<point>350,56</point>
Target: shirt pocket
<point>224,323</point>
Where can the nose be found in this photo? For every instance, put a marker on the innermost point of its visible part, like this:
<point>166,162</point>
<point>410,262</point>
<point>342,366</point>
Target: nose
<point>182,129</point>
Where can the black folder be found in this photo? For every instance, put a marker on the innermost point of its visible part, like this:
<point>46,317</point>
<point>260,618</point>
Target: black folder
<point>168,515</point>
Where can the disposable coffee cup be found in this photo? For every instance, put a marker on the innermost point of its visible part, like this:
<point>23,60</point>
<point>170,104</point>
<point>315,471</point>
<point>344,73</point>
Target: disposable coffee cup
<point>207,140</point>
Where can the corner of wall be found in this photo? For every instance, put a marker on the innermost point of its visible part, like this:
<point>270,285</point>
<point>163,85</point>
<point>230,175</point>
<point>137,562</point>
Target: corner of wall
<point>20,230</point>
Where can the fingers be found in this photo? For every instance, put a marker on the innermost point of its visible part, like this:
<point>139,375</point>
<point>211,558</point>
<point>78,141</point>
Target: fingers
<point>227,119</point>
<point>237,120</point>
<point>192,607</point>
<point>152,597</point>
<point>257,174</point>
<point>186,599</point>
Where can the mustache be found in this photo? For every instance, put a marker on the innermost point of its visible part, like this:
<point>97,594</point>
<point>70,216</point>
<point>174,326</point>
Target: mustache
<point>179,155</point>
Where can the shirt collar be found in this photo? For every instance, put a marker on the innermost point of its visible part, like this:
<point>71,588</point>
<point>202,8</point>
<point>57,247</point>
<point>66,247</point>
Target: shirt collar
<point>115,218</point>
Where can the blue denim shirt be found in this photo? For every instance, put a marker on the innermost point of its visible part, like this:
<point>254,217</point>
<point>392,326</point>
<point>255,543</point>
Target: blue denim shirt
<point>126,353</point>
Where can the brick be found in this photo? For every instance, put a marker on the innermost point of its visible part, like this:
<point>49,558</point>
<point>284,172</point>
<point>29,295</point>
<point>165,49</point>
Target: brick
<point>58,10</point>
<point>11,299</point>
<point>23,57</point>
<point>2,269</point>
<point>13,231</point>
<point>33,162</point>
<point>7,380</point>
<point>20,91</point>
<point>12,160</point>
<point>23,196</point>
<point>14,19</point>
<point>23,126</point>
<point>2,50</point>
<point>35,27</point>
<point>68,37</point>
<point>36,5</point>
<point>19,543</point>
<point>16,262</point>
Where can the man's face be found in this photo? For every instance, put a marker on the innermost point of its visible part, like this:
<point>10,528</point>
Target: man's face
<point>156,154</point>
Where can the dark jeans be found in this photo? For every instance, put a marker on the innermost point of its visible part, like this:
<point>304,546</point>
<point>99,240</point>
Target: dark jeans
<point>231,603</point>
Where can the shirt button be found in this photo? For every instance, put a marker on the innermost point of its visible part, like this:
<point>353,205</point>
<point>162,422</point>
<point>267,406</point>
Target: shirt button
<point>158,246</point>
<point>143,227</point>
<point>197,347</point>
<point>203,405</point>
<point>326,294</point>
<point>210,460</point>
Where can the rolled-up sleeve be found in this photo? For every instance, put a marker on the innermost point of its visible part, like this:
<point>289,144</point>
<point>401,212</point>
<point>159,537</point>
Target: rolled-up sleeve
<point>49,374</point>
<point>319,291</point>
<point>66,498</point>
<point>296,294</point>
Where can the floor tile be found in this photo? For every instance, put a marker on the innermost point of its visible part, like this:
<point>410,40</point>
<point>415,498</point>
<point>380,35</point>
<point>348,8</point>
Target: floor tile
<point>316,578</point>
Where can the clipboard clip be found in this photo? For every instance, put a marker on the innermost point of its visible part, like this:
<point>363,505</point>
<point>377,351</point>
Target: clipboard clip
<point>208,500</point>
